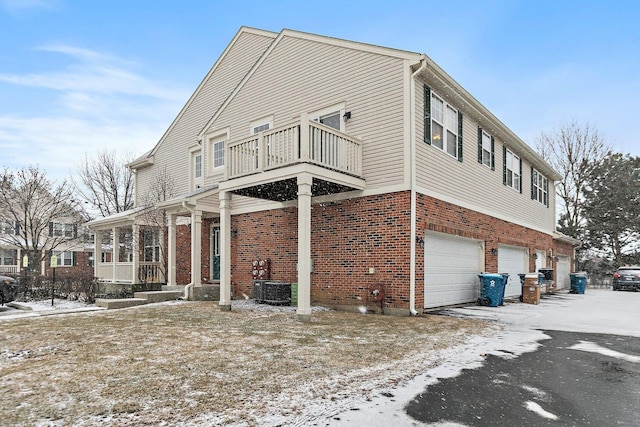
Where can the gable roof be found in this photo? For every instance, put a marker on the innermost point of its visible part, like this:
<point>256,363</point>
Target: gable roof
<point>380,50</point>
<point>147,158</point>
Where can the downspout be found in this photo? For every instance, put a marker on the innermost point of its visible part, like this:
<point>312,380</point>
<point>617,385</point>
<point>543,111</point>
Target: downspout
<point>188,287</point>
<point>412,163</point>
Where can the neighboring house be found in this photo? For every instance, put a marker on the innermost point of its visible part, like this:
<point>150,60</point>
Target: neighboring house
<point>351,167</point>
<point>71,252</point>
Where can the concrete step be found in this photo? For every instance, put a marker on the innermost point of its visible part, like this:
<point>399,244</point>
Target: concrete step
<point>120,303</point>
<point>158,296</point>
<point>173,288</point>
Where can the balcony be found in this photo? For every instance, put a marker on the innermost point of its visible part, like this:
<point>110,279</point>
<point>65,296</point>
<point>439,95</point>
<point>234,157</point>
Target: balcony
<point>335,156</point>
<point>302,141</point>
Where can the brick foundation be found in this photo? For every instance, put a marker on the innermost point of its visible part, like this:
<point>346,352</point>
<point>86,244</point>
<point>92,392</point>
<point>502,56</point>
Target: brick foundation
<point>357,244</point>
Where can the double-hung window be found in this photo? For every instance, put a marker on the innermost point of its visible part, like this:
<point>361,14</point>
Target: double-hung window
<point>8,257</point>
<point>443,124</point>
<point>512,170</point>
<point>539,187</point>
<point>57,229</point>
<point>486,149</point>
<point>10,227</point>
<point>65,259</point>
<point>218,153</point>
<point>197,166</point>
<point>196,179</point>
<point>151,246</point>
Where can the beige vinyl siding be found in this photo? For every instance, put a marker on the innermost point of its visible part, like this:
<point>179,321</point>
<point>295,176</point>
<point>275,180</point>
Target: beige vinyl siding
<point>472,184</point>
<point>173,150</point>
<point>301,75</point>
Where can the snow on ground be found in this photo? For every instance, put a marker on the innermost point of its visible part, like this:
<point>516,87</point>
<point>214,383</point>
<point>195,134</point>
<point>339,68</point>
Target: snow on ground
<point>596,311</point>
<point>20,309</point>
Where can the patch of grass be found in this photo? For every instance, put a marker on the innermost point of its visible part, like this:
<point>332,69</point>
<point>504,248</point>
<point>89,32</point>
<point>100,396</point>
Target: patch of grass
<point>189,362</point>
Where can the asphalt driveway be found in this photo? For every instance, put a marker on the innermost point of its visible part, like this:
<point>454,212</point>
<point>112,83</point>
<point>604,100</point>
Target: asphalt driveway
<point>571,360</point>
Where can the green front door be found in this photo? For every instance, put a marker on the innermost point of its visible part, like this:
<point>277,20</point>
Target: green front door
<point>215,253</point>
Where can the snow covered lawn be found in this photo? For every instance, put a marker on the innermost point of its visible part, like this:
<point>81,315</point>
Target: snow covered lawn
<point>187,363</point>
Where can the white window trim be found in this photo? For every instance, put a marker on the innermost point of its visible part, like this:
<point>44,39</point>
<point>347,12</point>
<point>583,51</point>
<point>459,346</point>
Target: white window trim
<point>195,183</point>
<point>62,257</point>
<point>339,107</point>
<point>515,162</point>
<point>445,126</point>
<point>212,139</point>
<point>488,149</point>
<point>540,186</point>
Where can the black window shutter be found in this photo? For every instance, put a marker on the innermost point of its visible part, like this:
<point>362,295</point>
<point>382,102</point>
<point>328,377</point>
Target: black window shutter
<point>460,120</point>
<point>504,165</point>
<point>533,184</point>
<point>75,259</point>
<point>427,114</point>
<point>521,176</point>
<point>51,229</point>
<point>493,156</point>
<point>479,144</point>
<point>75,231</point>
<point>17,228</point>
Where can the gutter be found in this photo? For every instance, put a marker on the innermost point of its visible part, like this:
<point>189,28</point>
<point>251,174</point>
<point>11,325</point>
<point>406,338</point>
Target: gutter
<point>412,136</point>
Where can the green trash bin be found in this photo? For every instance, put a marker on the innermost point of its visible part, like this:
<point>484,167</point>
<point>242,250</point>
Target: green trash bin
<point>294,294</point>
<point>578,282</point>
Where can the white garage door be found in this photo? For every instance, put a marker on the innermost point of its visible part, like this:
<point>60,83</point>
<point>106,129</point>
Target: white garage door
<point>562,274</point>
<point>514,261</point>
<point>451,268</point>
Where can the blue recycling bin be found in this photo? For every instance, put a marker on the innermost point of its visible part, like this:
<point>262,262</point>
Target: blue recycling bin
<point>505,282</point>
<point>491,289</point>
<point>578,282</point>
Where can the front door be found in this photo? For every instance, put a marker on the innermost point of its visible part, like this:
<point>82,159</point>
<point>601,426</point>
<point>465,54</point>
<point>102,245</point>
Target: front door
<point>215,253</point>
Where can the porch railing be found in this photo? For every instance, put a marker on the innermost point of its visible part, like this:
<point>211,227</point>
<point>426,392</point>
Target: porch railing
<point>9,269</point>
<point>302,141</point>
<point>121,273</point>
<point>150,272</point>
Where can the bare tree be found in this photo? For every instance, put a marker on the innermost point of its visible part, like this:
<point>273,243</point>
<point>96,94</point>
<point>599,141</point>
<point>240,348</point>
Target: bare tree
<point>37,215</point>
<point>574,150</point>
<point>162,188</point>
<point>106,183</point>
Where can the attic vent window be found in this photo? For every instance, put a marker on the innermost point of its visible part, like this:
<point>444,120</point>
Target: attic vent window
<point>261,128</point>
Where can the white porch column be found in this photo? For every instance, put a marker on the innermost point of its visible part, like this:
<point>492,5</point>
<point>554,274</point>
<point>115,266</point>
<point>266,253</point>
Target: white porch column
<point>304,247</point>
<point>171,249</point>
<point>196,248</point>
<point>115,252</point>
<point>135,248</point>
<point>225,250</point>
<point>97,252</point>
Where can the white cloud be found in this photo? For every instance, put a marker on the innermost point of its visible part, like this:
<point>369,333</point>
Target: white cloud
<point>93,72</point>
<point>17,5</point>
<point>100,103</point>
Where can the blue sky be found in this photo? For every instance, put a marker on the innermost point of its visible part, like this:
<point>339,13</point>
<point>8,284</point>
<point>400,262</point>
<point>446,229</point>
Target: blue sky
<point>78,76</point>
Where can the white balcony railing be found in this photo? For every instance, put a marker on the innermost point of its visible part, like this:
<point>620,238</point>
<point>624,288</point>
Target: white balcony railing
<point>302,141</point>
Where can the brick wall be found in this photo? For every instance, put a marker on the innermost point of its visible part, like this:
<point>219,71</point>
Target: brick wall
<point>349,238</point>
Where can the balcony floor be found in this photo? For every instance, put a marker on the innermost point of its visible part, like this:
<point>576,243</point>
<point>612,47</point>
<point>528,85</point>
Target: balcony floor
<point>287,189</point>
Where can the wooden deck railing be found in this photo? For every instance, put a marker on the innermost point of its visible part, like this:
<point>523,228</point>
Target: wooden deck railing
<point>302,141</point>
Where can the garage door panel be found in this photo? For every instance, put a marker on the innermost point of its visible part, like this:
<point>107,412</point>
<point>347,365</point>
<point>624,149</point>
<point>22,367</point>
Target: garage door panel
<point>452,265</point>
<point>514,261</point>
